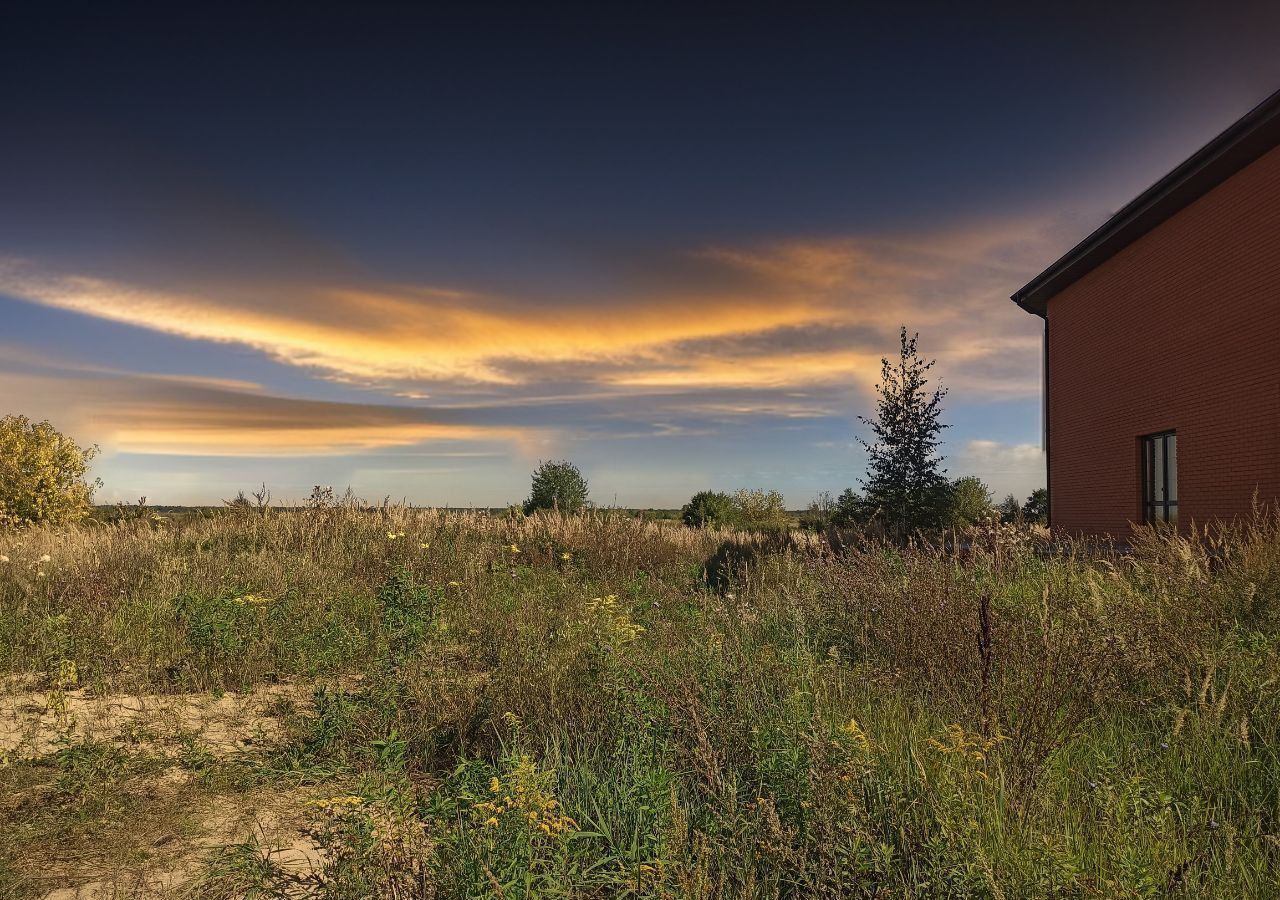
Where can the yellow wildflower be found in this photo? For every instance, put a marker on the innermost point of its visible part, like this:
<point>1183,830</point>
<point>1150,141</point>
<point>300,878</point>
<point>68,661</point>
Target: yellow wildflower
<point>514,548</point>
<point>494,785</point>
<point>491,822</point>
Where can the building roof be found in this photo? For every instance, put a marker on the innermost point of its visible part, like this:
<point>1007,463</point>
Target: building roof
<point>1249,138</point>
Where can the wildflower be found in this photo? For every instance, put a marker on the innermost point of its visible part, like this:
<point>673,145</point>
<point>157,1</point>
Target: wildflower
<point>514,549</point>
<point>46,558</point>
<point>425,545</point>
<point>3,558</point>
<point>392,535</point>
<point>566,556</point>
<point>491,822</point>
<point>494,785</point>
<point>455,584</point>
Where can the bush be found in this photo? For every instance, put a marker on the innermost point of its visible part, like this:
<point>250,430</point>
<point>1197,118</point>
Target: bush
<point>850,509</point>
<point>557,485</point>
<point>1036,509</point>
<point>819,513</point>
<point>969,502</point>
<point>760,510</point>
<point>1010,510</point>
<point>42,474</point>
<point>708,509</point>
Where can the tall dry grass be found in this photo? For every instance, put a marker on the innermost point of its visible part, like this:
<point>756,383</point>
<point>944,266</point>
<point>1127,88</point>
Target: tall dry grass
<point>692,713</point>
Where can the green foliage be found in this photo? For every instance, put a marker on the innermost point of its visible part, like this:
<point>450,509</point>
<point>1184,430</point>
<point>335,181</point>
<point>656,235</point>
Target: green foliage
<point>851,509</point>
<point>760,510</point>
<point>708,509</point>
<point>1036,509</point>
<point>811,726</point>
<point>904,486</point>
<point>820,512</point>
<point>968,502</point>
<point>557,485</point>
<point>1010,510</point>
<point>42,474</point>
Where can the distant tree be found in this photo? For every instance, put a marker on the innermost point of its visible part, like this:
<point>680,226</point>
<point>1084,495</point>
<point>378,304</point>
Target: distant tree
<point>1010,510</point>
<point>905,488</point>
<point>559,485</point>
<point>708,509</point>
<point>760,510</point>
<point>819,513</point>
<point>968,502</point>
<point>1036,509</point>
<point>850,509</point>
<point>42,474</point>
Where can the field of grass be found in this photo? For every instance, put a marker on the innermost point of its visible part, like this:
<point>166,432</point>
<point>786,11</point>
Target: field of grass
<point>405,703</point>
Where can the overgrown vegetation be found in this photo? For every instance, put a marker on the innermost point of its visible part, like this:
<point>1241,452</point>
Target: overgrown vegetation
<point>42,474</point>
<point>595,706</point>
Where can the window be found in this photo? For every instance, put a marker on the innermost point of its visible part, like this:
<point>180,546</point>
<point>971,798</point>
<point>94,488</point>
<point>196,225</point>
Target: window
<point>1160,478</point>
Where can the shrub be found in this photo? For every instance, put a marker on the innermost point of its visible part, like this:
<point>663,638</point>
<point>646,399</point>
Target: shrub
<point>820,512</point>
<point>969,502</point>
<point>850,509</point>
<point>708,509</point>
<point>558,485</point>
<point>760,510</point>
<point>1010,510</point>
<point>1036,509</point>
<point>42,474</point>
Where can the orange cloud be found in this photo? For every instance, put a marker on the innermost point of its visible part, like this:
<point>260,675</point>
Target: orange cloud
<point>198,417</point>
<point>787,315</point>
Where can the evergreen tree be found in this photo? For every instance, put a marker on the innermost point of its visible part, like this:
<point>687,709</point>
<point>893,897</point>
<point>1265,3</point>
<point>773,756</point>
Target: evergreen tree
<point>905,488</point>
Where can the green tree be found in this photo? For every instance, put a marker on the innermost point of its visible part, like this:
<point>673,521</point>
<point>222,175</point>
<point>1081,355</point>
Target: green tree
<point>42,474</point>
<point>1036,509</point>
<point>905,488</point>
<point>705,509</point>
<point>1010,510</point>
<point>850,509</point>
<point>969,502</point>
<point>559,485</point>
<point>820,512</point>
<point>760,510</point>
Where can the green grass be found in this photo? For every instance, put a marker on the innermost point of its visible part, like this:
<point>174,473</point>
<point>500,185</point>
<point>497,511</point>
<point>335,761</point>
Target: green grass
<point>663,712</point>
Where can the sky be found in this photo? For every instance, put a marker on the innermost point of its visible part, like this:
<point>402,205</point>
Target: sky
<point>415,249</point>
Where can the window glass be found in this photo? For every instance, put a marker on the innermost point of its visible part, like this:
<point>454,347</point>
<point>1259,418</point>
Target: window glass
<point>1171,443</point>
<point>1157,470</point>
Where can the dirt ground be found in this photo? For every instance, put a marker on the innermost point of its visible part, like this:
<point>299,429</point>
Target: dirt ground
<point>167,851</point>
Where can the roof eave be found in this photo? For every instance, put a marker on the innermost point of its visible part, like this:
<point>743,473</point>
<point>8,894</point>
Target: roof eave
<point>1251,136</point>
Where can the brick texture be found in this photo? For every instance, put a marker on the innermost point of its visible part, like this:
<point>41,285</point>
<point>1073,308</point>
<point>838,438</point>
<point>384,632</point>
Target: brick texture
<point>1179,330</point>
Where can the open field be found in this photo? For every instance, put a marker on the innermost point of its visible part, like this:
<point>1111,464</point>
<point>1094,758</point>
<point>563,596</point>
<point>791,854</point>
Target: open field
<point>405,703</point>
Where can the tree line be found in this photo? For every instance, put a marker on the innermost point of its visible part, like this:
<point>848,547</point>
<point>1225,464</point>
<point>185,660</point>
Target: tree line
<point>905,490</point>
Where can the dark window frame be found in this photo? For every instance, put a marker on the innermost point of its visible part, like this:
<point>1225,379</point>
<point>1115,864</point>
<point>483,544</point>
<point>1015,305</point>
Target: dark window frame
<point>1164,510</point>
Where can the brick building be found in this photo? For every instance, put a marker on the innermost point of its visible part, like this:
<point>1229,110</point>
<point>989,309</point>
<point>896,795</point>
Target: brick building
<point>1162,346</point>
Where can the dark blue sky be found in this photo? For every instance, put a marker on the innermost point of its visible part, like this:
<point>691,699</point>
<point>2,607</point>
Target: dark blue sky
<point>668,243</point>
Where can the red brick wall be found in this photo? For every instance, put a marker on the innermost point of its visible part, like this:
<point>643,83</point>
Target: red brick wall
<point>1179,330</point>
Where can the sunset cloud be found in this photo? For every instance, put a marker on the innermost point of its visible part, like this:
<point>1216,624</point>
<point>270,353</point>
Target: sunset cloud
<point>205,417</point>
<point>775,316</point>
